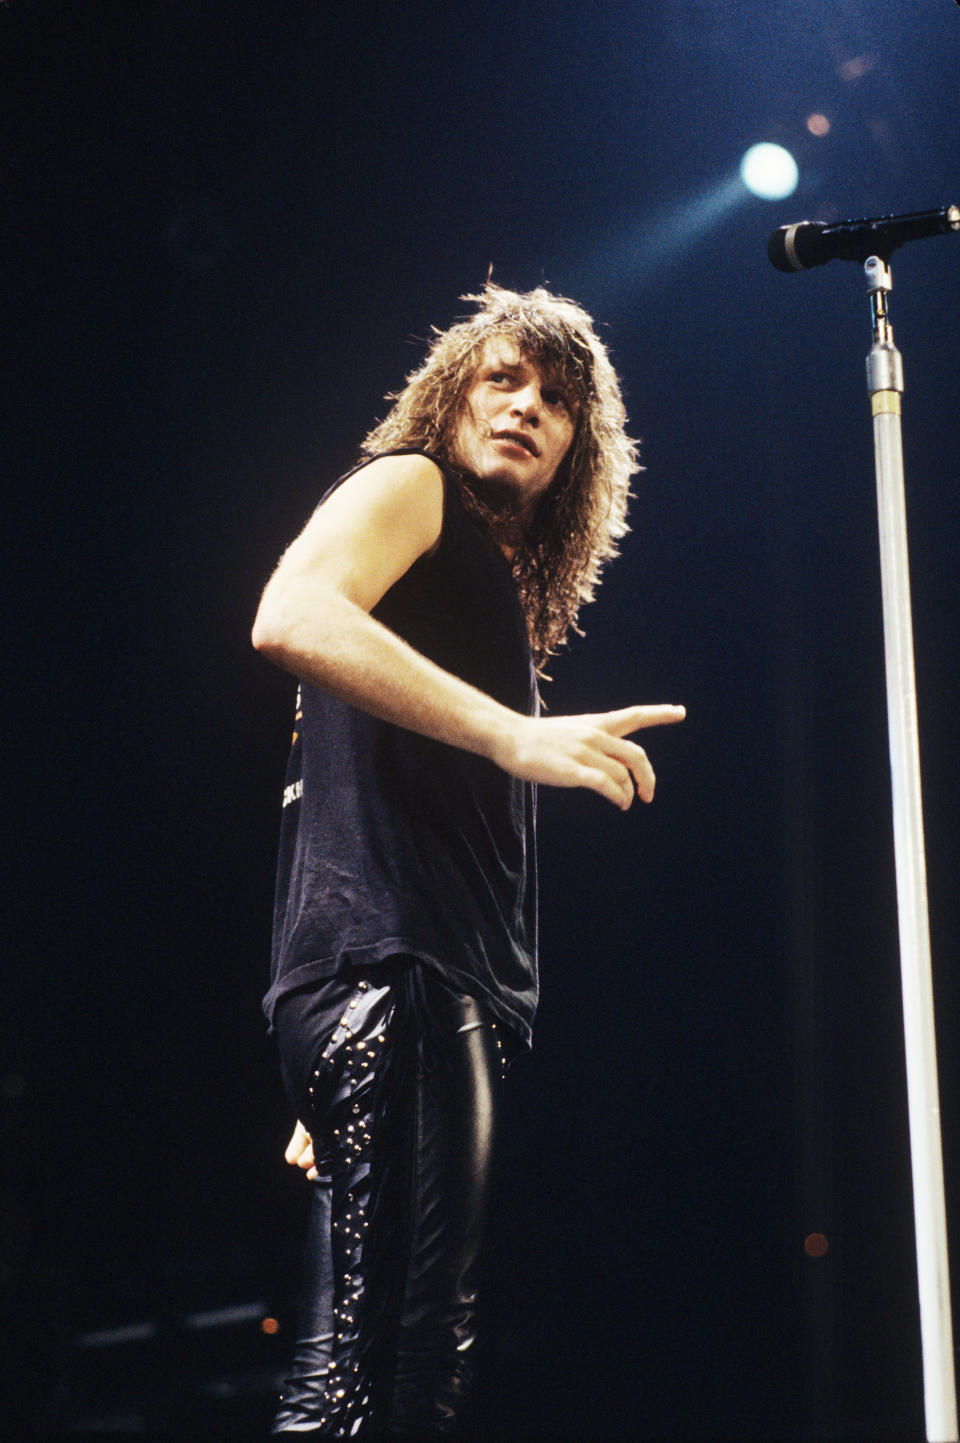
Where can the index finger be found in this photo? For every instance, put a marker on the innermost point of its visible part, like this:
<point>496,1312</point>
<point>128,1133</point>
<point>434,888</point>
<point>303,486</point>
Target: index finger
<point>634,718</point>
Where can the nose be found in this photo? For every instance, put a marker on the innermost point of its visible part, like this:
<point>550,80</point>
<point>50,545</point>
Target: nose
<point>528,403</point>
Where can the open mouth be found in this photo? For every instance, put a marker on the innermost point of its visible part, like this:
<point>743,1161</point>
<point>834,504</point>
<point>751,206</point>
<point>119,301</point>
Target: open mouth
<point>517,438</point>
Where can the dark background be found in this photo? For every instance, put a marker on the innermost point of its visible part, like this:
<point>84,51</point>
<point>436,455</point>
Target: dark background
<point>228,226</point>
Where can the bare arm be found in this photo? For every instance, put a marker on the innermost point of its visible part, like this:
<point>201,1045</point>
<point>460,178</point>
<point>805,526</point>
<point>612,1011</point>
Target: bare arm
<point>314,621</point>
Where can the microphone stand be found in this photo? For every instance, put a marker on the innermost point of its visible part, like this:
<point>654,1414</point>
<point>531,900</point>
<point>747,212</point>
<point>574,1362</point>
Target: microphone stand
<point>885,386</point>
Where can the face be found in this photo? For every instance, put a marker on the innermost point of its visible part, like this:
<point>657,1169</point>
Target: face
<point>516,425</point>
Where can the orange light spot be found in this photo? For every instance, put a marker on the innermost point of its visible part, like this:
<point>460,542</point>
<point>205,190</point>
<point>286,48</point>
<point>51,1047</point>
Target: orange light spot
<point>815,1245</point>
<point>818,124</point>
<point>856,68</point>
<point>269,1326</point>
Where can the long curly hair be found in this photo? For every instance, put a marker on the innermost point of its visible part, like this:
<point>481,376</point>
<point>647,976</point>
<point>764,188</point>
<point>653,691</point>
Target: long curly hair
<point>559,556</point>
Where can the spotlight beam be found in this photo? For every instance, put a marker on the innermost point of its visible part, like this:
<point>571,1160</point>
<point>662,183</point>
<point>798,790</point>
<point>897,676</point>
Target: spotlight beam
<point>620,267</point>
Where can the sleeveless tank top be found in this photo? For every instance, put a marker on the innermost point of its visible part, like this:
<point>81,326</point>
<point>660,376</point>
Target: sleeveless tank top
<point>395,845</point>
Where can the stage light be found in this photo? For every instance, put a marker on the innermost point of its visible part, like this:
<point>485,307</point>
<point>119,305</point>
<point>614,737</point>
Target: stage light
<point>613,268</point>
<point>816,1245</point>
<point>818,124</point>
<point>769,172</point>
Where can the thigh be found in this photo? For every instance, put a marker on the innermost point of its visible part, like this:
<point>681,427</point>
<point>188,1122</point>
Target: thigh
<point>456,1108</point>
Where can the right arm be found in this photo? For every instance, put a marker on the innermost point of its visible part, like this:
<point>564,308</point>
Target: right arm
<point>314,621</point>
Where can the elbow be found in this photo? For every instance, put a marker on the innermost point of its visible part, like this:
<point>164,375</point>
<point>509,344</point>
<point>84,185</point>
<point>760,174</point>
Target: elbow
<point>292,628</point>
<point>267,635</point>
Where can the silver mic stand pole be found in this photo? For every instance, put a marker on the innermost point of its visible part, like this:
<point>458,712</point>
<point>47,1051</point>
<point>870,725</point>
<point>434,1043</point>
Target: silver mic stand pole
<point>885,386</point>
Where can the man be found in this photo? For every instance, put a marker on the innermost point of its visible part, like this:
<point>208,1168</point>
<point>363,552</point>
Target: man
<point>416,609</point>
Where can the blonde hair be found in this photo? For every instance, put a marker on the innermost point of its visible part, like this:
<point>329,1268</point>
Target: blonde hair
<point>580,519</point>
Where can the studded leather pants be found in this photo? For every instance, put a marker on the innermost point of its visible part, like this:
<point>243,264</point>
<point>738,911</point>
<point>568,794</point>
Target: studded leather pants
<point>402,1105</point>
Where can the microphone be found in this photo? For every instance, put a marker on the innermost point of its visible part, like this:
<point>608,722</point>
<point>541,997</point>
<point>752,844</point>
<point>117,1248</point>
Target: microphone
<point>808,243</point>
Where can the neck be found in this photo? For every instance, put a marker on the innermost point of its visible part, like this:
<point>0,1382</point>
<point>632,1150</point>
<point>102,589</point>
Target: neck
<point>507,522</point>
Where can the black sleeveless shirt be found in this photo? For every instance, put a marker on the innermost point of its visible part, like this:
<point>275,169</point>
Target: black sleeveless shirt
<point>393,844</point>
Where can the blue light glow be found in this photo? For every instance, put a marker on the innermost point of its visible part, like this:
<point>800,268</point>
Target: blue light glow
<point>769,171</point>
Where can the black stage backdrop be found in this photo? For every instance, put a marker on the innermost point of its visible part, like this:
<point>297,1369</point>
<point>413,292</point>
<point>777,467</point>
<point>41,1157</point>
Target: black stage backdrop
<point>227,227</point>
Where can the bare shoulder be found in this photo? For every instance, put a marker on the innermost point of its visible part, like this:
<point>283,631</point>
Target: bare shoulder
<point>406,476</point>
<point>369,531</point>
<point>394,493</point>
<point>402,466</point>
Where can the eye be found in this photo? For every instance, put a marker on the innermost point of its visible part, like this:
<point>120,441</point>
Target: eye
<point>555,398</point>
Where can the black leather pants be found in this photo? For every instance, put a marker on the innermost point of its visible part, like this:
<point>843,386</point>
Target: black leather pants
<point>402,1105</point>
